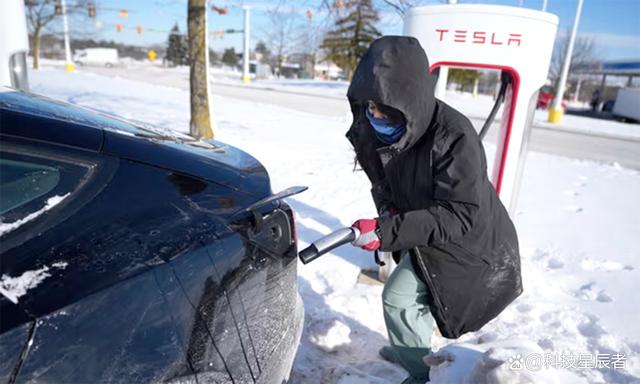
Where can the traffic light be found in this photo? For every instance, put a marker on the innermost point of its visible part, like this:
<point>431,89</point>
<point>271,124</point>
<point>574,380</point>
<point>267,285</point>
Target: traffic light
<point>309,15</point>
<point>91,7</point>
<point>118,27</point>
<point>139,29</point>
<point>58,7</point>
<point>124,13</point>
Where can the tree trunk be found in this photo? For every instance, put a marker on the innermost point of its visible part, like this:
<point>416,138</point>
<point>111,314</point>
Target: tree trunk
<point>35,43</point>
<point>200,125</point>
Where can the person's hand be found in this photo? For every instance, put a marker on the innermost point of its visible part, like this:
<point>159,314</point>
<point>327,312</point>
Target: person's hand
<point>368,239</point>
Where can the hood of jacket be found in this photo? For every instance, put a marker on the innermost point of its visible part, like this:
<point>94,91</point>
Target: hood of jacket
<point>395,71</point>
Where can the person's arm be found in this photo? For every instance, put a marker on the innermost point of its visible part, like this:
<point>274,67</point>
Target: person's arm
<point>457,179</point>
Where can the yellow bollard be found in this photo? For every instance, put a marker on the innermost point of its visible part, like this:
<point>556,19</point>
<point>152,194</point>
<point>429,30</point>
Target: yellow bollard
<point>152,55</point>
<point>69,67</point>
<point>555,115</point>
<point>246,79</point>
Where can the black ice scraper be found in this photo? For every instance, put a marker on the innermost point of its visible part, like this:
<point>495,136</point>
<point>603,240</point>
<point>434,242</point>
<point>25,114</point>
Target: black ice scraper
<point>327,243</point>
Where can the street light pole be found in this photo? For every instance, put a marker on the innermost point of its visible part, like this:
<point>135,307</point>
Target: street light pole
<point>245,56</point>
<point>555,112</point>
<point>67,48</point>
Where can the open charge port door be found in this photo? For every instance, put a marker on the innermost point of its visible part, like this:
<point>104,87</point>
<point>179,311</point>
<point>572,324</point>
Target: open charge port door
<point>273,231</point>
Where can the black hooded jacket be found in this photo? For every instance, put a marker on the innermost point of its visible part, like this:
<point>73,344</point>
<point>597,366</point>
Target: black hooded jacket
<point>463,244</point>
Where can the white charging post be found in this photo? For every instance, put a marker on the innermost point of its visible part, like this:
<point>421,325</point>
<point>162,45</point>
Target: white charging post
<point>517,41</point>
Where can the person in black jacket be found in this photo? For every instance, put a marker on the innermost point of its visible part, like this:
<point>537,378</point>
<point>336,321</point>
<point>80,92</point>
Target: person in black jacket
<point>438,212</point>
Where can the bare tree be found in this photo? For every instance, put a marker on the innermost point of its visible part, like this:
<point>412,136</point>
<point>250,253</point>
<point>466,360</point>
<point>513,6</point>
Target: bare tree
<point>281,35</point>
<point>200,125</point>
<point>584,53</point>
<point>399,6</point>
<point>310,37</point>
<point>39,14</point>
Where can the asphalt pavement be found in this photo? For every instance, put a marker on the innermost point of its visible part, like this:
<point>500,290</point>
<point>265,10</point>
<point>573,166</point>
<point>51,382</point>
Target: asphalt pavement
<point>552,140</point>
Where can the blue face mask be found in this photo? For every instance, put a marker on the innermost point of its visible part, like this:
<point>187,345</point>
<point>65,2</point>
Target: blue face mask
<point>386,131</point>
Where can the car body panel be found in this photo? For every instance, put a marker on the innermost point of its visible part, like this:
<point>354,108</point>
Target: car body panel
<point>209,160</point>
<point>12,344</point>
<point>162,273</point>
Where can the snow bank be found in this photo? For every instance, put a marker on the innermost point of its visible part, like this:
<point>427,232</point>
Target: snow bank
<point>481,105</point>
<point>506,361</point>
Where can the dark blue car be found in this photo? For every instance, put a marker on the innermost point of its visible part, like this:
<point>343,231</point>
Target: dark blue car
<point>131,255</point>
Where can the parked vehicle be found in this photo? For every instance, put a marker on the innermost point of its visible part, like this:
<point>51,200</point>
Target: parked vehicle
<point>545,98</point>
<point>627,104</point>
<point>107,57</point>
<point>132,255</point>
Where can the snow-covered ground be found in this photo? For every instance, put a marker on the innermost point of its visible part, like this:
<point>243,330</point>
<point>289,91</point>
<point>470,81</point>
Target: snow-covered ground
<point>481,105</point>
<point>578,224</point>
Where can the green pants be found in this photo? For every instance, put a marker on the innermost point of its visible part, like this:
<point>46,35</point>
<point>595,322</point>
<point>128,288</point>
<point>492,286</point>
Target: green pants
<point>407,317</point>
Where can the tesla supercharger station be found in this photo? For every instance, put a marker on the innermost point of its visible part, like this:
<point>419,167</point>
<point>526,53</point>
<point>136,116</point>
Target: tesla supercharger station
<point>516,41</point>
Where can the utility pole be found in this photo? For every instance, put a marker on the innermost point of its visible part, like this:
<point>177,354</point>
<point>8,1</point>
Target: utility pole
<point>67,48</point>
<point>544,5</point>
<point>556,112</point>
<point>245,56</point>
<point>443,74</point>
<point>200,124</point>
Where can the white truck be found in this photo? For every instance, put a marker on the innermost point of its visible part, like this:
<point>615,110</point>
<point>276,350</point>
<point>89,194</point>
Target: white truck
<point>107,57</point>
<point>14,44</point>
<point>627,104</point>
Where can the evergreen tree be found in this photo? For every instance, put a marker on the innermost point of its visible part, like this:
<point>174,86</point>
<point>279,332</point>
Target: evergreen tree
<point>353,34</point>
<point>214,57</point>
<point>229,57</point>
<point>177,50</point>
<point>263,51</point>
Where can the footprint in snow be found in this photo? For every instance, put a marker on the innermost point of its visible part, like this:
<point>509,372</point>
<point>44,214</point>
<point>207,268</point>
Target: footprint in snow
<point>524,308</point>
<point>589,292</point>
<point>571,193</point>
<point>590,328</point>
<point>573,208</point>
<point>606,266</point>
<point>555,263</point>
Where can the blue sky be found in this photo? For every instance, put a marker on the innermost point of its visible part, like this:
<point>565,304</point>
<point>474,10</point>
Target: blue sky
<point>613,24</point>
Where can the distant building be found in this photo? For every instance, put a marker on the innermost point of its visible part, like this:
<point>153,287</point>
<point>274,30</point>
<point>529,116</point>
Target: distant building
<point>327,70</point>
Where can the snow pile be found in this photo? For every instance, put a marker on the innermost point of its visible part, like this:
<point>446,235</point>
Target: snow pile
<point>15,287</point>
<point>511,361</point>
<point>330,335</point>
<point>51,202</point>
<point>578,225</point>
<point>479,107</point>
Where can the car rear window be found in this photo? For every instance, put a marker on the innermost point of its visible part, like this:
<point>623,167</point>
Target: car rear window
<point>22,182</point>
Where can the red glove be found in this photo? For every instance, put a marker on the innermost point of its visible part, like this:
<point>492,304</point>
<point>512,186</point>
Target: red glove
<point>368,239</point>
